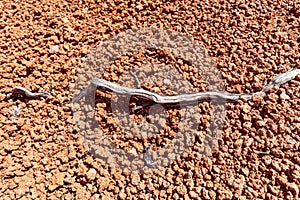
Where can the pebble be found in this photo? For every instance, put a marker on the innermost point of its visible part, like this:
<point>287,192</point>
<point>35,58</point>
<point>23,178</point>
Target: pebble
<point>167,81</point>
<point>293,188</point>
<point>91,174</point>
<point>284,96</point>
<point>54,49</point>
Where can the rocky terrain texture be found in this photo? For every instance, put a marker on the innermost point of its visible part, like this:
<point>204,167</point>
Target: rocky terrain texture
<point>43,44</point>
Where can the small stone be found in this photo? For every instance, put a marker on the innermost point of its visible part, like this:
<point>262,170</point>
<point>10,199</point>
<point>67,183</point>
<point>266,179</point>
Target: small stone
<point>293,188</point>
<point>135,179</point>
<point>122,195</point>
<point>66,47</point>
<point>175,196</point>
<point>193,194</point>
<point>52,187</point>
<point>284,96</point>
<point>110,120</point>
<point>103,151</point>
<point>11,147</point>
<point>238,142</point>
<point>205,194</point>
<point>257,98</point>
<point>139,7</point>
<point>245,171</point>
<point>20,191</point>
<point>212,194</point>
<point>267,160</point>
<point>156,89</point>
<point>246,108</point>
<point>249,142</point>
<point>27,162</point>
<point>273,190</point>
<point>243,198</point>
<point>247,125</point>
<point>65,20</point>
<point>273,97</point>
<point>72,153</point>
<point>277,153</point>
<point>91,174</point>
<point>181,189</point>
<point>260,123</point>
<point>63,156</point>
<point>167,81</point>
<point>286,47</point>
<point>133,152</point>
<point>103,183</point>
<point>275,164</point>
<point>59,178</point>
<point>54,49</point>
<point>216,169</point>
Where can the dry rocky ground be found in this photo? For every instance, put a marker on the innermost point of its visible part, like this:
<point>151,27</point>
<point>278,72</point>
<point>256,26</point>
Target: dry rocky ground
<point>44,43</point>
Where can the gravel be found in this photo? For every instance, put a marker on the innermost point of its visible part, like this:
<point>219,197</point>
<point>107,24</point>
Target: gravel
<point>43,44</point>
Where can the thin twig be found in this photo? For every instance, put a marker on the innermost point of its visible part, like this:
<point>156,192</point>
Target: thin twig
<point>261,152</point>
<point>136,79</point>
<point>21,91</point>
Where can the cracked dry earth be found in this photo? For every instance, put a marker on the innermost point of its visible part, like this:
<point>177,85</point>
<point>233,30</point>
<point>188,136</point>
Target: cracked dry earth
<point>42,46</point>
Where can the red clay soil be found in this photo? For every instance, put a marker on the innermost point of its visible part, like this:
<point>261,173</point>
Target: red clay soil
<point>42,46</point>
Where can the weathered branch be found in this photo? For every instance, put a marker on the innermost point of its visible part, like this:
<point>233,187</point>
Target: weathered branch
<point>23,92</point>
<point>184,98</point>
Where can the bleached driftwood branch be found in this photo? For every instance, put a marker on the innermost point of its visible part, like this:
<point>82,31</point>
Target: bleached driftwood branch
<point>184,98</point>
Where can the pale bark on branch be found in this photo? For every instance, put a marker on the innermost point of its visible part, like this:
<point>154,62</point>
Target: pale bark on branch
<point>184,98</point>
